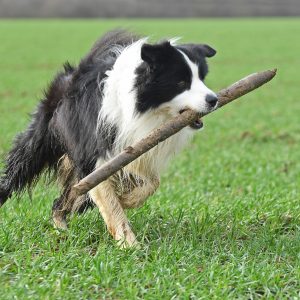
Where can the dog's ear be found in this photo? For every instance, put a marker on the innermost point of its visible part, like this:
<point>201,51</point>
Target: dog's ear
<point>207,50</point>
<point>198,49</point>
<point>153,54</point>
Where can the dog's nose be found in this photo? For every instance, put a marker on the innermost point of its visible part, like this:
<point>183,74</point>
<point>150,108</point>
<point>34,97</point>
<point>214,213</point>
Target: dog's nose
<point>211,100</point>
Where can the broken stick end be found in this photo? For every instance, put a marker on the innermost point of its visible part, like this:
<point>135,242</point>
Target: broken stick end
<point>274,71</point>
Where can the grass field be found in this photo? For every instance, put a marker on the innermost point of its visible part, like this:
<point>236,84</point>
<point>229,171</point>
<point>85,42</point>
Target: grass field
<point>225,223</point>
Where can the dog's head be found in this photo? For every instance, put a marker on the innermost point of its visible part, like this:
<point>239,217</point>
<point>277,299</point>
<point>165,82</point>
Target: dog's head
<point>172,78</point>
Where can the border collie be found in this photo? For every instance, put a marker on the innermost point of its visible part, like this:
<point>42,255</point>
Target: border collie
<point>123,89</point>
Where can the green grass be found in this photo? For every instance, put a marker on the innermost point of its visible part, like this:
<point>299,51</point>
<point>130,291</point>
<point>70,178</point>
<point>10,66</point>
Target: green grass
<point>225,222</point>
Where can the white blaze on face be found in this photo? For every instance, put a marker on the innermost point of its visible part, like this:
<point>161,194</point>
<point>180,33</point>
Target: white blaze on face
<point>193,98</point>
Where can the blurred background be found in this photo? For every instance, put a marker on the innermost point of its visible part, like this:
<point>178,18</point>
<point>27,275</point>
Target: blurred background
<point>147,8</point>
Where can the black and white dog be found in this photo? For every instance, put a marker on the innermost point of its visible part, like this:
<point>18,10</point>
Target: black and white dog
<point>120,91</point>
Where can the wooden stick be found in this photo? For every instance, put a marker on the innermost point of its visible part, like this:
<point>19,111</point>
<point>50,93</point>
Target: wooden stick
<point>169,128</point>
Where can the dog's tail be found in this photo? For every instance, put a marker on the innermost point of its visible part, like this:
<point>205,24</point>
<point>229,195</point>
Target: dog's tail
<point>35,149</point>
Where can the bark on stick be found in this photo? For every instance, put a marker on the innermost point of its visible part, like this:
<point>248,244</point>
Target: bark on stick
<point>168,129</point>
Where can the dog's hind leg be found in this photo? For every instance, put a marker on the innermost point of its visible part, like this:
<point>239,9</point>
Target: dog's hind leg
<point>59,214</point>
<point>65,205</point>
<point>62,206</point>
<point>107,201</point>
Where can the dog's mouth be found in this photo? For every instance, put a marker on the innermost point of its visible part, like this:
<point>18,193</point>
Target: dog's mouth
<point>198,124</point>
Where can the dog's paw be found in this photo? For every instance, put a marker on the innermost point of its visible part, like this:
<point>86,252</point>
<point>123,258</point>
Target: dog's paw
<point>59,220</point>
<point>126,239</point>
<point>125,244</point>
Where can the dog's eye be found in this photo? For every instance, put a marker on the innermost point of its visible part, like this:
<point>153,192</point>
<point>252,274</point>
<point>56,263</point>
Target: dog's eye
<point>182,84</point>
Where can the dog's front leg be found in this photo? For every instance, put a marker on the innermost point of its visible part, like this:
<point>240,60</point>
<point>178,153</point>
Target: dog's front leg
<point>138,196</point>
<point>113,214</point>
